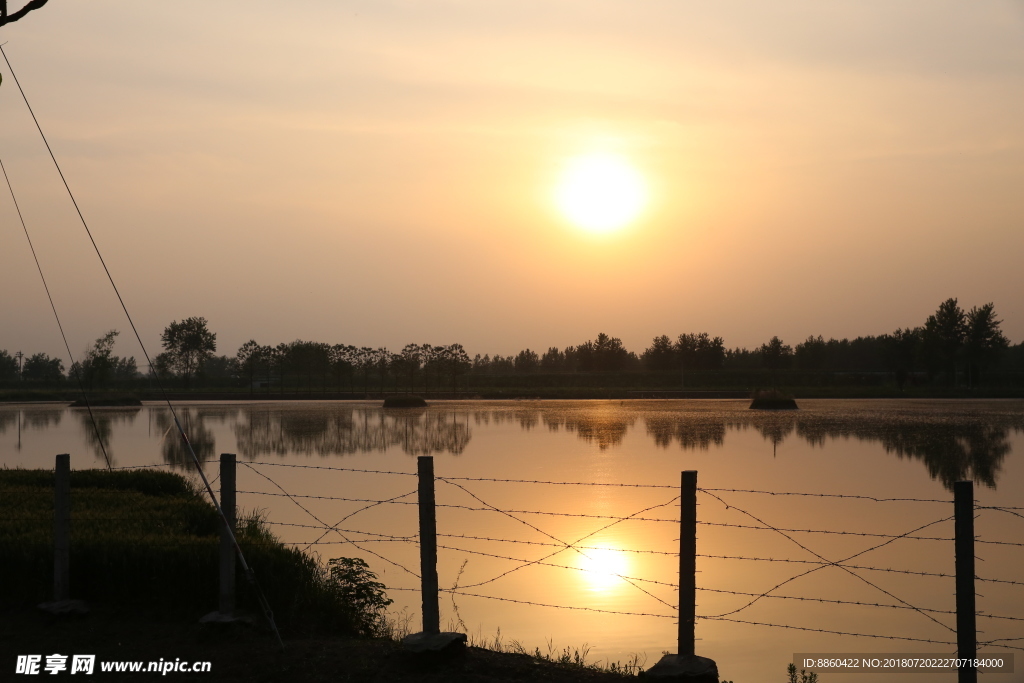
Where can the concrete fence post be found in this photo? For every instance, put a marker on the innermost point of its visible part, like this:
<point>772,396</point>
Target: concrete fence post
<point>431,639</point>
<point>62,529</point>
<point>688,563</point>
<point>686,665</point>
<point>428,545</point>
<point>966,628</point>
<point>227,548</point>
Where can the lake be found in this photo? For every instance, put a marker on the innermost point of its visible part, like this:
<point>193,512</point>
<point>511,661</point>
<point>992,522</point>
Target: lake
<point>784,496</point>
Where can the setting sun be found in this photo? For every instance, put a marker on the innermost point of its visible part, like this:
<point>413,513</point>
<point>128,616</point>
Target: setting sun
<point>600,192</point>
<point>603,566</point>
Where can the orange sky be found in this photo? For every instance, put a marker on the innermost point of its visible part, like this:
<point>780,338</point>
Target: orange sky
<point>378,173</point>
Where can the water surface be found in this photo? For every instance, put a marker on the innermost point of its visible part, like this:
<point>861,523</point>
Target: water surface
<point>615,589</point>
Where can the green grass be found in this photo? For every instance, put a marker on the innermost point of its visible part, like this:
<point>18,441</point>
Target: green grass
<point>148,539</point>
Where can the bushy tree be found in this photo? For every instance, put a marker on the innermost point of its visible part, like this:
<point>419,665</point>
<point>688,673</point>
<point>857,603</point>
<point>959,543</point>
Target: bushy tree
<point>39,367</point>
<point>776,355</point>
<point>188,344</point>
<point>943,338</point>
<point>983,339</point>
<point>99,366</point>
<point>526,362</point>
<point>660,356</point>
<point>249,359</point>
<point>8,367</point>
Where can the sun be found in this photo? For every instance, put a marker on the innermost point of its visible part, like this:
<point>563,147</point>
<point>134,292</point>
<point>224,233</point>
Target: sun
<point>602,566</point>
<point>600,193</point>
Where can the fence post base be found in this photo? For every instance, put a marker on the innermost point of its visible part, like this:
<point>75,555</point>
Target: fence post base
<point>444,643</point>
<point>684,668</point>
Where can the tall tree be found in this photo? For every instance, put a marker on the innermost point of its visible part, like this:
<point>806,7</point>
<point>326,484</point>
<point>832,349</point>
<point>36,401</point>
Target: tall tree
<point>248,359</point>
<point>900,351</point>
<point>342,359</point>
<point>526,361</point>
<point>775,355</point>
<point>944,334</point>
<point>39,367</point>
<point>188,344</point>
<point>8,367</point>
<point>984,340</point>
<point>99,366</point>
<point>660,356</point>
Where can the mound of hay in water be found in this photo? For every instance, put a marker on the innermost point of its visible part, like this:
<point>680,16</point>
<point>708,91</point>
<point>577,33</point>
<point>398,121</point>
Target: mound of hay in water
<point>404,402</point>
<point>772,399</point>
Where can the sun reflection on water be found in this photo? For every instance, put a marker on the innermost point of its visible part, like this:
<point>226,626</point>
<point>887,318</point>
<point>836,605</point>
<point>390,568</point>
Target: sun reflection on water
<point>603,566</point>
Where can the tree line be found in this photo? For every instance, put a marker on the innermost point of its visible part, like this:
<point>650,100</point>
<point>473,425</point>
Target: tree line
<point>952,346</point>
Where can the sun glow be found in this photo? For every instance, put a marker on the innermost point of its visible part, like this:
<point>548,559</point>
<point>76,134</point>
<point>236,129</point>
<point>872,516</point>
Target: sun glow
<point>601,192</point>
<point>603,566</point>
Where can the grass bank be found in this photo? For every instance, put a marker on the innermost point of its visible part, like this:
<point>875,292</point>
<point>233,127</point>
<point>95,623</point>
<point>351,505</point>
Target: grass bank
<point>144,557</point>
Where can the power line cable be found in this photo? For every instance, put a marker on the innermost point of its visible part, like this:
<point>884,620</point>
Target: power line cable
<point>75,369</point>
<point>267,612</point>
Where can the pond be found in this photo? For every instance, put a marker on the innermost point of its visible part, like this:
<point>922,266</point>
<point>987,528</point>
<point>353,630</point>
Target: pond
<point>823,530</point>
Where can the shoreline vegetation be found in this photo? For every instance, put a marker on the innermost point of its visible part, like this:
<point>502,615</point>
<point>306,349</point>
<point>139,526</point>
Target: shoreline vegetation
<point>144,558</point>
<point>101,399</point>
<point>954,353</point>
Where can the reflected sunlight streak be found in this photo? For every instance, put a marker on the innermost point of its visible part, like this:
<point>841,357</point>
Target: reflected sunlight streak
<point>603,567</point>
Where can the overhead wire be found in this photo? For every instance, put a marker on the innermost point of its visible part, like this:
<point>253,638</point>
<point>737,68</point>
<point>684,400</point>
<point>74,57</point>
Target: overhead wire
<point>247,569</point>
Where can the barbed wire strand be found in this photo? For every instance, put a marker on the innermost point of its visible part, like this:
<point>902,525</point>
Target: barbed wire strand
<point>825,531</point>
<point>1009,511</point>
<point>322,467</point>
<point>554,538</point>
<point>830,495</point>
<point>821,557</point>
<point>821,630</point>
<point>365,507</point>
<point>542,604</point>
<point>556,566</point>
<point>857,603</point>
<point>468,507</point>
<point>347,540</point>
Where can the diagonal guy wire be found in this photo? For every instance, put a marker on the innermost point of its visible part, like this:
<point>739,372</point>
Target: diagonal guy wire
<point>831,563</point>
<point>346,539</point>
<point>568,546</point>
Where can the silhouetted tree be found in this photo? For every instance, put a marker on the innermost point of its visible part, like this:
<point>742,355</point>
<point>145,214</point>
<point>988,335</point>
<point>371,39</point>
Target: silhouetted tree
<point>39,367</point>
<point>249,358</point>
<point>99,366</point>
<point>660,356</point>
<point>343,363</point>
<point>811,354</point>
<point>553,360</point>
<point>984,341</point>
<point>776,356</point>
<point>700,351</point>
<point>8,367</point>
<point>456,362</point>
<point>409,363</point>
<point>944,334</point>
<point>7,18</point>
<point>526,361</point>
<point>188,344</point>
<point>901,350</point>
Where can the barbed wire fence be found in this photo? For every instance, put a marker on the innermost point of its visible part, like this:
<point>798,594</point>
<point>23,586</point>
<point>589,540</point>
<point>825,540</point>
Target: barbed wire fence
<point>663,594</point>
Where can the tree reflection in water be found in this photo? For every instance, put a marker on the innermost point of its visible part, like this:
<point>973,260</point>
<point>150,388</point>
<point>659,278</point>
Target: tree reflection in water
<point>271,430</point>
<point>954,441</point>
<point>196,423</point>
<point>97,436</point>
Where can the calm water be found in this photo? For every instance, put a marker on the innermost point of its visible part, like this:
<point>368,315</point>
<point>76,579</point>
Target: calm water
<point>879,449</point>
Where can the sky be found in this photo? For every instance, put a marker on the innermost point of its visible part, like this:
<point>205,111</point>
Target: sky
<point>380,173</point>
